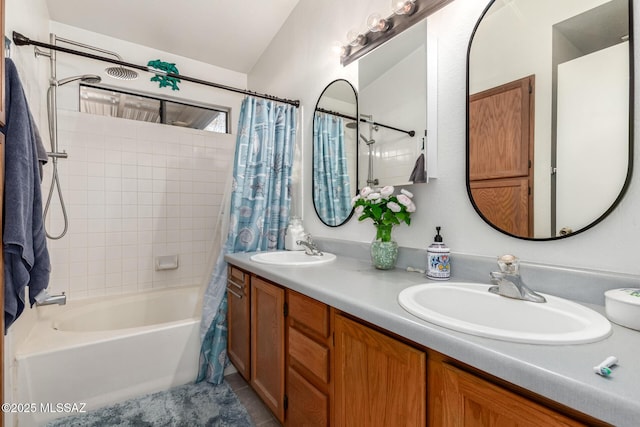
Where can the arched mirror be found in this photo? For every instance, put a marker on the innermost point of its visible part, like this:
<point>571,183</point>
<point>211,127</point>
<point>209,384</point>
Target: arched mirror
<point>335,152</point>
<point>549,115</point>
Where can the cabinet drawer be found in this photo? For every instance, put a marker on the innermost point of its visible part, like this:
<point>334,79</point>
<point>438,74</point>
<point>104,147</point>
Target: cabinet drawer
<point>237,282</point>
<point>309,313</point>
<point>307,353</point>
<point>308,406</point>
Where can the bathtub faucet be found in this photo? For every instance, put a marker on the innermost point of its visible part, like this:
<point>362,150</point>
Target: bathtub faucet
<point>43,298</point>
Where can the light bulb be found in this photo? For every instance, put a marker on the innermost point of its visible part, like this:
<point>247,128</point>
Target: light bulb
<point>355,38</point>
<point>376,23</point>
<point>403,7</point>
<point>340,49</point>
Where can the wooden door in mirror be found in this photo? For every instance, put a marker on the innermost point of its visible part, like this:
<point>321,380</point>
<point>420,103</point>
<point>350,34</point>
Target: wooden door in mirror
<point>501,155</point>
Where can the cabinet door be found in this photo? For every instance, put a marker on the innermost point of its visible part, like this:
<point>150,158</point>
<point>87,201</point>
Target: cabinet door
<point>239,320</point>
<point>379,381</point>
<point>267,344</point>
<point>470,401</point>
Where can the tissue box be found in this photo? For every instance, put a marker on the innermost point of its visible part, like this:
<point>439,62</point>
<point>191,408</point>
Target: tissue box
<point>623,306</point>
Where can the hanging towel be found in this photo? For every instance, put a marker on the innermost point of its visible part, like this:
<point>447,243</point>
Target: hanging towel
<point>418,174</point>
<point>26,258</point>
<point>43,158</point>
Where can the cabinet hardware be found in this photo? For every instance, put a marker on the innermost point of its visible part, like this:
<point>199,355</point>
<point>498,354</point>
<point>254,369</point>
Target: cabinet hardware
<point>231,282</point>
<point>232,292</point>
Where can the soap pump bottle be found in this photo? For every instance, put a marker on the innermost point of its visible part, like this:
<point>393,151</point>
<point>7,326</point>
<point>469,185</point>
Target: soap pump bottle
<point>294,233</point>
<point>438,259</point>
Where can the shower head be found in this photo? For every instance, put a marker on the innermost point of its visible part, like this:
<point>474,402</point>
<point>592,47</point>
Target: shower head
<point>367,141</point>
<point>352,125</point>
<point>87,78</point>
<point>121,73</point>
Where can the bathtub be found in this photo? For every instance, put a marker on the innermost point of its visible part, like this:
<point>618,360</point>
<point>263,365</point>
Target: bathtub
<point>93,353</point>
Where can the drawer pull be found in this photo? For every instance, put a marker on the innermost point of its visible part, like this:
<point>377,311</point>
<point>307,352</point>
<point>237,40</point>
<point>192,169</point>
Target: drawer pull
<point>231,282</point>
<point>232,292</point>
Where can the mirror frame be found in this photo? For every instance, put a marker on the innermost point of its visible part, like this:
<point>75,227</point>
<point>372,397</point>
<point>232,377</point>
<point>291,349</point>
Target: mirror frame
<point>313,153</point>
<point>631,136</point>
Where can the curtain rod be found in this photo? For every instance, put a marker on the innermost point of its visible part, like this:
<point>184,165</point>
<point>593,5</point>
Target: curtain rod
<point>21,40</point>
<point>334,113</point>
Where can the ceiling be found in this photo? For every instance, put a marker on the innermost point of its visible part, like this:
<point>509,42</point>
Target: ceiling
<point>231,34</point>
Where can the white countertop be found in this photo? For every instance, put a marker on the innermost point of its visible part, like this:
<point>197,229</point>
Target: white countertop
<point>563,373</point>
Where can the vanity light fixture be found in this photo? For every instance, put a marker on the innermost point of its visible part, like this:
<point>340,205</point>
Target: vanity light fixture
<point>405,14</point>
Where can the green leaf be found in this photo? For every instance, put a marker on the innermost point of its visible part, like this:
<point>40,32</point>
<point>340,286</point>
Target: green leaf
<point>376,212</point>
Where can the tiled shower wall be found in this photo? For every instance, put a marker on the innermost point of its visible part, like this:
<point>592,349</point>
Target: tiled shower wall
<point>134,191</point>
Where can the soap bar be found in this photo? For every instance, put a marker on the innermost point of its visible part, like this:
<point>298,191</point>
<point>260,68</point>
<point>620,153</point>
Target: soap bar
<point>623,307</point>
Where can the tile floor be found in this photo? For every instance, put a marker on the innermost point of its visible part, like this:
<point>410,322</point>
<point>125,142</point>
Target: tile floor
<point>259,413</point>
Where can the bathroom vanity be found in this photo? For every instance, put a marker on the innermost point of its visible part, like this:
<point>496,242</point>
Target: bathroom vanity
<point>330,345</point>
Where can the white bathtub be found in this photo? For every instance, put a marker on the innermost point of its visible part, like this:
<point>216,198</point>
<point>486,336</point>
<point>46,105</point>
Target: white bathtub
<point>98,352</point>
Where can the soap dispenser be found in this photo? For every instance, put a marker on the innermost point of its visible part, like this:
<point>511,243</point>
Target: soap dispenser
<point>438,259</point>
<point>294,233</point>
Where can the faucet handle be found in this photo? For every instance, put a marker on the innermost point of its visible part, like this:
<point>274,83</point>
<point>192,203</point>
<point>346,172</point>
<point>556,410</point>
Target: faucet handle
<point>509,264</point>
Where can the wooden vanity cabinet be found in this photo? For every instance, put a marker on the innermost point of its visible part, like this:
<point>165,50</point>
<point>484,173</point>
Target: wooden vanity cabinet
<point>458,398</point>
<point>315,366</point>
<point>379,381</point>
<point>239,320</point>
<point>309,347</point>
<point>267,344</point>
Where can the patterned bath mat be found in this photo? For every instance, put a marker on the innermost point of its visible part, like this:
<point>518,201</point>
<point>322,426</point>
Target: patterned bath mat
<point>190,405</point>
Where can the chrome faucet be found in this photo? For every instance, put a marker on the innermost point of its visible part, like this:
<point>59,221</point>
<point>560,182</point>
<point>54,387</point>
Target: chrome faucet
<point>310,247</point>
<point>508,282</point>
<point>44,298</point>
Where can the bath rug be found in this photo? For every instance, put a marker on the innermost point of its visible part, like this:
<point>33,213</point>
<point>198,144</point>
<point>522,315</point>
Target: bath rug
<point>190,405</point>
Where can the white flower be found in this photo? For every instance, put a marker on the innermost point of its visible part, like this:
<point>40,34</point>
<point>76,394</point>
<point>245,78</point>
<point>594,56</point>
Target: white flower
<point>407,193</point>
<point>366,191</point>
<point>373,196</point>
<point>411,207</point>
<point>404,200</point>
<point>387,191</point>
<point>355,199</point>
<point>359,210</point>
<point>394,207</point>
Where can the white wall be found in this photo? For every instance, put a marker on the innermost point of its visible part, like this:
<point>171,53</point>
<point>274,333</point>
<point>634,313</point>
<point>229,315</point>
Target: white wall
<point>298,64</point>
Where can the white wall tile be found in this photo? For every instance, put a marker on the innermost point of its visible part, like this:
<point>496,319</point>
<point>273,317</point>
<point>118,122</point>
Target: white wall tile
<point>133,190</point>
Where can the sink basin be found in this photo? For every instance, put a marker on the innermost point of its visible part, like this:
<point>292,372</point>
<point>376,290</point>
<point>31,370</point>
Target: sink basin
<point>292,258</point>
<point>471,308</point>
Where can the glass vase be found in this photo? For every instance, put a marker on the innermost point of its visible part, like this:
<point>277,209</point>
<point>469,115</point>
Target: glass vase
<point>384,250</point>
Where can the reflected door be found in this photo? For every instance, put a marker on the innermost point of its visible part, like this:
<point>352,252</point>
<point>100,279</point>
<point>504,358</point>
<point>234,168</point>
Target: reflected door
<point>501,155</point>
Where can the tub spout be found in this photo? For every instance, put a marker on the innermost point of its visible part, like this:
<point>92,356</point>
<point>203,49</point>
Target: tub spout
<point>44,298</point>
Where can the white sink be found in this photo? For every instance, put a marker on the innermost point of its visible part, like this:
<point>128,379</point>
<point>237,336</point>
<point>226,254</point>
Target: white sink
<point>471,308</point>
<point>292,258</point>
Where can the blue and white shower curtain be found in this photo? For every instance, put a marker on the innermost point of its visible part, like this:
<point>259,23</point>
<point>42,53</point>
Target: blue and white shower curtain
<point>331,189</point>
<point>259,213</point>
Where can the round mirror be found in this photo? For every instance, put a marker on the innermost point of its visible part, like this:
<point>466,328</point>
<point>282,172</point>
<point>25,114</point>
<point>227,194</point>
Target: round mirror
<point>335,152</point>
<point>549,144</point>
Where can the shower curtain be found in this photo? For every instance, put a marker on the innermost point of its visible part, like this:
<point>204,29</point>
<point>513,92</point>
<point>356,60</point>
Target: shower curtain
<point>259,213</point>
<point>331,189</point>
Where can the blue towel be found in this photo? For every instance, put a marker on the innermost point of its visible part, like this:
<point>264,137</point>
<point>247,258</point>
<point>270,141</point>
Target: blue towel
<point>26,258</point>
